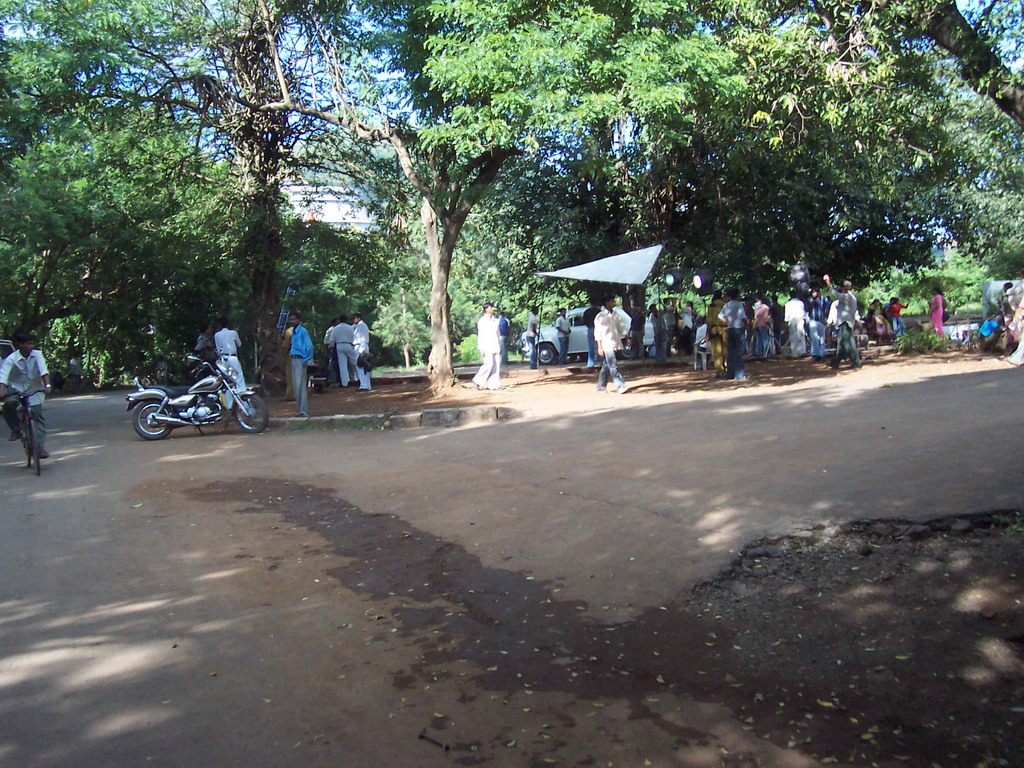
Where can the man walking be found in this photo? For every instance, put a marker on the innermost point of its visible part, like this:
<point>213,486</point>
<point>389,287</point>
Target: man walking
<point>228,346</point>
<point>563,330</point>
<point>734,316</point>
<point>609,331</point>
<point>301,353</point>
<point>361,342</point>
<point>24,370</point>
<point>489,344</point>
<point>847,318</point>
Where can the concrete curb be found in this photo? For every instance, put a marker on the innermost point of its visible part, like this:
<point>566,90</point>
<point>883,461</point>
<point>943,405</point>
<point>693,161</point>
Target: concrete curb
<point>428,417</point>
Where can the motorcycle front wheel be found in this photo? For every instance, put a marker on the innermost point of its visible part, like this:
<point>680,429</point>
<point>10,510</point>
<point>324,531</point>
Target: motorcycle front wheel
<point>145,426</point>
<point>252,413</point>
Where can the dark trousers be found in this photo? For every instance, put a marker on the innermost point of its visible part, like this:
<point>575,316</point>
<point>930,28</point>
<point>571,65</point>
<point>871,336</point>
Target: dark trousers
<point>734,356</point>
<point>846,347</point>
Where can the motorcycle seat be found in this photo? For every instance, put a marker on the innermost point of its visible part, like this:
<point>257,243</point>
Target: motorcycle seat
<point>169,391</point>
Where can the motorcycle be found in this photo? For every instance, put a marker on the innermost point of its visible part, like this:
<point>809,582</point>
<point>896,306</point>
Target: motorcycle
<point>213,398</point>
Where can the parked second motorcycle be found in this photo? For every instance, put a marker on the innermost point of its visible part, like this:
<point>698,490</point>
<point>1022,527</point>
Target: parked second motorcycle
<point>213,398</point>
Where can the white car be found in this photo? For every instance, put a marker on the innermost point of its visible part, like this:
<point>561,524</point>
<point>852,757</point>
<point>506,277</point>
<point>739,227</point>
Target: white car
<point>547,344</point>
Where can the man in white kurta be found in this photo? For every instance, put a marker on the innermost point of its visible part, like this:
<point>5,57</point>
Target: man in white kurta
<point>361,342</point>
<point>795,315</point>
<point>488,341</point>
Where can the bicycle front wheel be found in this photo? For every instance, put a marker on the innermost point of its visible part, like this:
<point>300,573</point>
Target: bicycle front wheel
<point>31,445</point>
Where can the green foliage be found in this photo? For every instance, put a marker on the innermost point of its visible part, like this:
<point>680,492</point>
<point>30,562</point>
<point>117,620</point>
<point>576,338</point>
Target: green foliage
<point>916,342</point>
<point>467,352</point>
<point>1012,521</point>
<point>115,229</point>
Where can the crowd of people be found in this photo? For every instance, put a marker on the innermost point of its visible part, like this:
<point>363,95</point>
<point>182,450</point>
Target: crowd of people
<point>346,354</point>
<point>733,328</point>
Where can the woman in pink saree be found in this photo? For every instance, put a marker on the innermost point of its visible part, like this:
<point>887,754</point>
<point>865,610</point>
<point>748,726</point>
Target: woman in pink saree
<point>937,308</point>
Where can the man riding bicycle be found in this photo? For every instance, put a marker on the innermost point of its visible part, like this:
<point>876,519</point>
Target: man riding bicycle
<point>24,370</point>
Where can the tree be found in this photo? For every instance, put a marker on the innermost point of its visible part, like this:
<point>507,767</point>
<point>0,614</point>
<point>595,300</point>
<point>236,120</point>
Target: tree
<point>105,223</point>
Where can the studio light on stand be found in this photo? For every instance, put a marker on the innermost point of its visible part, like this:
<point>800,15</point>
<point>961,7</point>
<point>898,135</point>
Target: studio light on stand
<point>702,280</point>
<point>674,281</point>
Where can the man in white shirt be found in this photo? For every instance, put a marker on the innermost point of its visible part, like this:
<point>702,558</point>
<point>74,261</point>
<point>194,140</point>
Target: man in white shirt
<point>563,329</point>
<point>361,342</point>
<point>488,341</point>
<point>228,346</point>
<point>735,318</point>
<point>344,341</point>
<point>24,370</point>
<point>609,331</point>
<point>794,316</point>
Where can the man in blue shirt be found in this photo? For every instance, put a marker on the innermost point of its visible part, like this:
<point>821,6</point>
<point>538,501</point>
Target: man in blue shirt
<point>301,352</point>
<point>503,331</point>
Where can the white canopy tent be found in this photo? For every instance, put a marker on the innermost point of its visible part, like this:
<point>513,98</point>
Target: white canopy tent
<point>631,268</point>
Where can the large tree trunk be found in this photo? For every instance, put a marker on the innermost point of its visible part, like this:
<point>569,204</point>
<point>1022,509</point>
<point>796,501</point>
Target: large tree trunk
<point>439,366</point>
<point>270,356</point>
<point>442,233</point>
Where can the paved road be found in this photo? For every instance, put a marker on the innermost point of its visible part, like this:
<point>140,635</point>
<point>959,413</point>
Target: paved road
<point>192,603</point>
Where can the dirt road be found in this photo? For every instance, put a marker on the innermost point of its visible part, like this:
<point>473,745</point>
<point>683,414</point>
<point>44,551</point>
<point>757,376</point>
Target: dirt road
<point>515,594</point>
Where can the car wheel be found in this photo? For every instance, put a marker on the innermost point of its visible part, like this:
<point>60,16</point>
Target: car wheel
<point>546,354</point>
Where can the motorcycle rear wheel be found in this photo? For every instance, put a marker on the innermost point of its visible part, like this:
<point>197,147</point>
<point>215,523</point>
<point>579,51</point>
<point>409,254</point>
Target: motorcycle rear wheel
<point>257,418</point>
<point>145,426</point>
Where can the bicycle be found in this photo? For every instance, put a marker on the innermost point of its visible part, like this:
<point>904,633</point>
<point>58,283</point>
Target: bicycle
<point>29,441</point>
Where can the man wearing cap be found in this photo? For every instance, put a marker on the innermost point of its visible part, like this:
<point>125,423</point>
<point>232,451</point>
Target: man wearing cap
<point>488,341</point>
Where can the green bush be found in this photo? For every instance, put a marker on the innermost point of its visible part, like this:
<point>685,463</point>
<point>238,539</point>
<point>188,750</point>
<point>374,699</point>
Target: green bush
<point>466,353</point>
<point>918,342</point>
